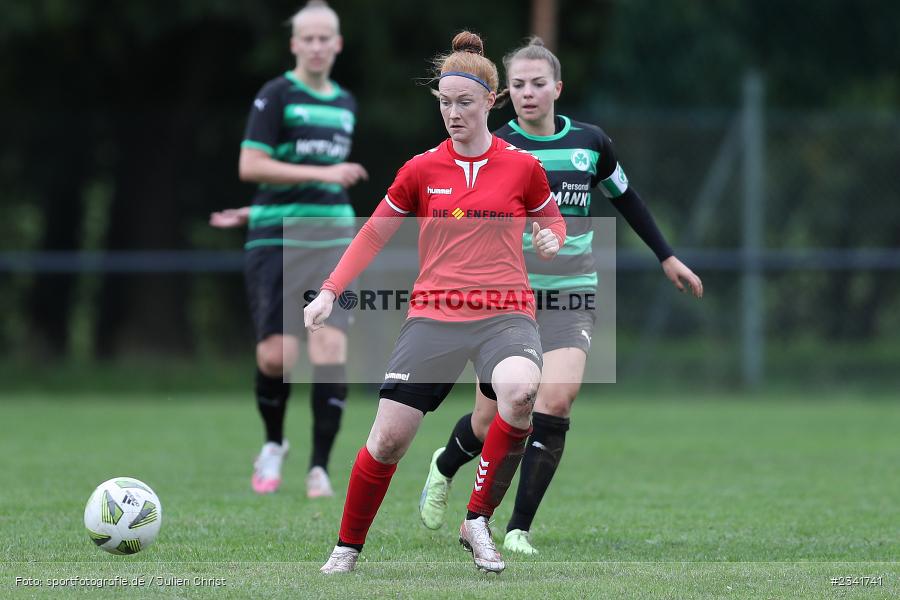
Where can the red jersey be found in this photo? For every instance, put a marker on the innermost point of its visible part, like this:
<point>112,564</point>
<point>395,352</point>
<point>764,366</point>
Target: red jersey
<point>472,212</point>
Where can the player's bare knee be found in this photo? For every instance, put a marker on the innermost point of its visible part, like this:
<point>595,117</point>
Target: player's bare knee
<point>517,397</point>
<point>329,351</point>
<point>556,400</point>
<point>387,444</point>
<point>276,355</point>
<point>270,362</point>
<point>386,448</point>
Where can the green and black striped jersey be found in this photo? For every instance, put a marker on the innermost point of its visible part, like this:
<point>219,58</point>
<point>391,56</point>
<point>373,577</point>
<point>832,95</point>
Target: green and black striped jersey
<point>577,158</point>
<point>293,123</point>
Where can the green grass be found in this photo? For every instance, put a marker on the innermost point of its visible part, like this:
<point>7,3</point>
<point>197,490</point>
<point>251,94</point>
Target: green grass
<point>675,496</point>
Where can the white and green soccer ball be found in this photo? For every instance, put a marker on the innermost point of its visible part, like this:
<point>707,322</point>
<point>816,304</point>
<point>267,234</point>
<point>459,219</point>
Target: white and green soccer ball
<point>123,515</point>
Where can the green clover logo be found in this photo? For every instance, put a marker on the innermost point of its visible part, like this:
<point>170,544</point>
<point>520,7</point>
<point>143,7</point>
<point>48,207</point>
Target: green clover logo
<point>581,160</point>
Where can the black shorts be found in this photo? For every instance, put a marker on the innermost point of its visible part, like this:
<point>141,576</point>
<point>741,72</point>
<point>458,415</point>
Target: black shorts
<point>430,355</point>
<point>275,276</point>
<point>566,328</point>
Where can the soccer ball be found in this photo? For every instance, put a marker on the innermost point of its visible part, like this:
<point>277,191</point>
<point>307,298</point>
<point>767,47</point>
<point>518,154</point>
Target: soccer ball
<point>123,515</point>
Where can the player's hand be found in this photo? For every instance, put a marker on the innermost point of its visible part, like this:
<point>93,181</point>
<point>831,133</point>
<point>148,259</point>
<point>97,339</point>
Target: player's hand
<point>678,273</point>
<point>344,174</point>
<point>318,310</point>
<point>231,217</point>
<point>545,242</point>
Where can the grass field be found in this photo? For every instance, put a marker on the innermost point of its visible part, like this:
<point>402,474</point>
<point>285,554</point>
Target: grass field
<point>675,496</point>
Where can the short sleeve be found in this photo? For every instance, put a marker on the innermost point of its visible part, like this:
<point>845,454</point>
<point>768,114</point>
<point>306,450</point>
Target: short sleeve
<point>537,194</point>
<point>610,178</point>
<point>403,195</point>
<point>264,122</point>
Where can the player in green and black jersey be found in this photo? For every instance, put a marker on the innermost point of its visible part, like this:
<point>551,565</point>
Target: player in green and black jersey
<point>578,158</point>
<point>296,145</point>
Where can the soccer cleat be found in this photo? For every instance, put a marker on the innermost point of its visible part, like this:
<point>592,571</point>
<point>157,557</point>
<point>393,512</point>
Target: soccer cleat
<point>475,536</point>
<point>519,540</point>
<point>342,560</point>
<point>433,501</point>
<point>267,467</point>
<point>318,485</point>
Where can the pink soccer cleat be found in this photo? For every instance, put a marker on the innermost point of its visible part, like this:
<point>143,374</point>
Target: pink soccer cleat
<point>267,467</point>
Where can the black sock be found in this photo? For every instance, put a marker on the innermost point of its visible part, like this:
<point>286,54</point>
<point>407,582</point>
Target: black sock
<point>462,447</point>
<point>545,448</point>
<point>329,392</point>
<point>271,399</point>
<point>358,547</point>
<point>474,515</point>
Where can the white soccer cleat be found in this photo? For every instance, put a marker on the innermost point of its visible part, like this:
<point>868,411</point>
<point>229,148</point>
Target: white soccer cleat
<point>318,485</point>
<point>519,540</point>
<point>342,560</point>
<point>267,467</point>
<point>433,501</point>
<point>475,536</point>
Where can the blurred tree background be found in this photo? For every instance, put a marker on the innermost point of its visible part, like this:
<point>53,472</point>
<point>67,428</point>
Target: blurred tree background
<point>123,123</point>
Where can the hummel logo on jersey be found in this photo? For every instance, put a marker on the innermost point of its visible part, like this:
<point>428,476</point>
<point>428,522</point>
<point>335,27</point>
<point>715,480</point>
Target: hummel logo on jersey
<point>439,191</point>
<point>585,334</point>
<point>531,351</point>
<point>538,445</point>
<point>458,213</point>
<point>400,376</point>
<point>471,170</point>
<point>260,104</point>
<point>481,475</point>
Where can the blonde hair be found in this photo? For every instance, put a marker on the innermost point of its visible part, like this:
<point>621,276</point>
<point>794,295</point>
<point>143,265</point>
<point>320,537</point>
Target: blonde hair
<point>315,6</point>
<point>534,50</point>
<point>467,56</point>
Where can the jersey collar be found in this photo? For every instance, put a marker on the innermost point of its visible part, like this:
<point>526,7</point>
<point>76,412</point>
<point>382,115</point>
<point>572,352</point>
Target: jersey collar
<point>335,88</point>
<point>567,125</point>
<point>488,152</point>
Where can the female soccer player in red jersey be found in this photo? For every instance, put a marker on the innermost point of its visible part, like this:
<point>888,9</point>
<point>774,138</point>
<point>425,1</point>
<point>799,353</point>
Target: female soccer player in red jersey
<point>467,177</point>
<point>577,156</point>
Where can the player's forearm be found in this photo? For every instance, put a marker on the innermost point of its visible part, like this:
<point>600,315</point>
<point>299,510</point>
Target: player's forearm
<point>641,221</point>
<point>268,170</point>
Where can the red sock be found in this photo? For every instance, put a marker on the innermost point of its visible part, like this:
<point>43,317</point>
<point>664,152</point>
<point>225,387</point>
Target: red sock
<point>503,448</point>
<point>369,481</point>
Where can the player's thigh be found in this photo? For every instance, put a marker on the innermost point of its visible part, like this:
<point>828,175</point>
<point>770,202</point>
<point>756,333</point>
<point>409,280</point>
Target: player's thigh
<point>560,381</point>
<point>426,361</point>
<point>263,278</point>
<point>393,431</point>
<point>566,329</point>
<point>327,346</point>
<point>495,342</point>
<point>304,271</point>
